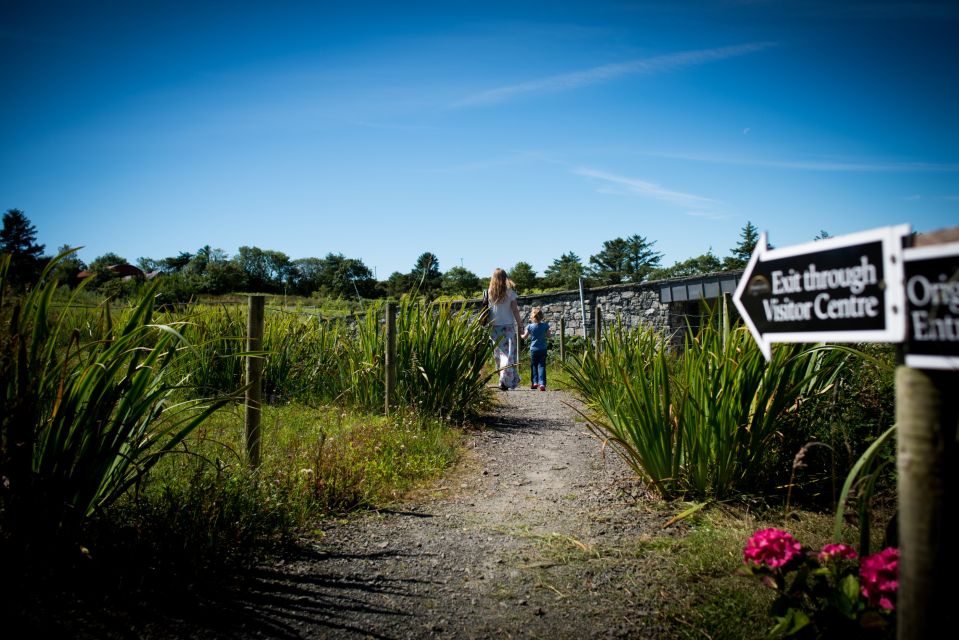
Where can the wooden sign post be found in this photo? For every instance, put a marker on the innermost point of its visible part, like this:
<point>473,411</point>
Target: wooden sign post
<point>927,451</point>
<point>866,287</point>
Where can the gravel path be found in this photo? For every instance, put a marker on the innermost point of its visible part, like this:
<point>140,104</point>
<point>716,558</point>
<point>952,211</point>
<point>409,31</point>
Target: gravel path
<point>536,534</point>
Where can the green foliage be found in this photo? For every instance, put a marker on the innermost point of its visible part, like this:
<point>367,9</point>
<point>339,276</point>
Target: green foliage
<point>425,278</point>
<point>565,272</point>
<point>844,422</point>
<point>442,355</point>
<point>335,276</point>
<point>625,260</point>
<point>82,420</point>
<point>96,400</point>
<point>739,256</point>
<point>441,352</point>
<point>699,265</point>
<point>461,282</point>
<point>18,240</point>
<point>523,277</point>
<point>68,267</point>
<point>204,509</point>
<point>701,423</point>
<point>264,271</point>
<point>630,385</point>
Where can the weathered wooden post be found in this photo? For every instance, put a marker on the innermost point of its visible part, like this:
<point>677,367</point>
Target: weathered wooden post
<point>254,378</point>
<point>598,329</point>
<point>926,459</point>
<point>927,451</point>
<point>562,339</point>
<point>389,359</point>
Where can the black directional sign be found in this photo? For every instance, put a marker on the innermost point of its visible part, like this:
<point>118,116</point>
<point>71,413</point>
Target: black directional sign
<point>842,289</point>
<point>932,294</point>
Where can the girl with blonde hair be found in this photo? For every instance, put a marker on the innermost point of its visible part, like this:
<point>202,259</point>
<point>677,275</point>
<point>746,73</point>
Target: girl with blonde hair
<point>503,319</point>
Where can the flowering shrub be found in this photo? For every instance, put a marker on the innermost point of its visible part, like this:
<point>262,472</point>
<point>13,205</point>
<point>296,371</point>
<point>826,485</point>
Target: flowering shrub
<point>827,593</point>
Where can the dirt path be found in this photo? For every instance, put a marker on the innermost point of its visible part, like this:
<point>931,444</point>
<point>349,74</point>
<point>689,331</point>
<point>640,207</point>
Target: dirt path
<point>535,535</point>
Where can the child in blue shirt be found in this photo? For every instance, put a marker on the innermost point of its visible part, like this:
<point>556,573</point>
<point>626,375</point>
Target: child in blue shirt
<point>538,333</point>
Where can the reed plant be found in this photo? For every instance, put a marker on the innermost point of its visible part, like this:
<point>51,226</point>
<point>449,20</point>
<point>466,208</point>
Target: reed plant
<point>629,386</point>
<point>442,357</point>
<point>701,422</point>
<point>82,423</point>
<point>737,401</point>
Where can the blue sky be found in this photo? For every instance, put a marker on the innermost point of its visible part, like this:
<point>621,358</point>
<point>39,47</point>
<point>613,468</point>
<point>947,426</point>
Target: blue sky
<point>486,132</point>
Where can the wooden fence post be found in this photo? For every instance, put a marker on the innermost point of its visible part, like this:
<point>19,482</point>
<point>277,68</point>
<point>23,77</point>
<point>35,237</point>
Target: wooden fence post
<point>254,378</point>
<point>926,459</point>
<point>389,359</point>
<point>598,329</point>
<point>562,339</point>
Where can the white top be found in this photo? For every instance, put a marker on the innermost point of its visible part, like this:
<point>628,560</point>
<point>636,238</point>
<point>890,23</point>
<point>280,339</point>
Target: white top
<point>502,313</point>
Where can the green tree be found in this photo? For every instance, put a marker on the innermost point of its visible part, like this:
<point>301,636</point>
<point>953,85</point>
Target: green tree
<point>176,264</point>
<point>148,265</point>
<point>641,259</point>
<point>699,265</point>
<point>523,277</point>
<point>18,238</point>
<point>822,235</point>
<point>460,281</point>
<point>625,260</point>
<point>69,267</point>
<point>347,277</point>
<point>740,254</point>
<point>398,284</point>
<point>223,276</point>
<point>101,264</point>
<point>264,270</point>
<point>426,276</point>
<point>609,265</point>
<point>565,272</point>
<point>308,276</point>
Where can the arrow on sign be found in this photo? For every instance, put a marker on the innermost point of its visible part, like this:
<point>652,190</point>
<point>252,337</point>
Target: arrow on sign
<point>843,289</point>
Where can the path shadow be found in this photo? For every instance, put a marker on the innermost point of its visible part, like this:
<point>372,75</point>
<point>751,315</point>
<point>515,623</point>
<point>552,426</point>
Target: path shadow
<point>512,424</point>
<point>309,594</point>
<point>315,591</point>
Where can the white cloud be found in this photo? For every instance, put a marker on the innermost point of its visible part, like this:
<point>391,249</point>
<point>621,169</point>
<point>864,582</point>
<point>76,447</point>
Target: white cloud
<point>604,73</point>
<point>815,165</point>
<point>647,189</point>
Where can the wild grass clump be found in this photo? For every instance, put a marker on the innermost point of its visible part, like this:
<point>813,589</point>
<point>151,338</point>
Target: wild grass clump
<point>114,459</point>
<point>204,508</point>
<point>441,359</point>
<point>81,421</point>
<point>701,423</point>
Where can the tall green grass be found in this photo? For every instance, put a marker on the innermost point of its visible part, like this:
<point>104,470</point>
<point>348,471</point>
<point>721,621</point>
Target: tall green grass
<point>82,421</point>
<point>702,422</point>
<point>630,385</point>
<point>440,360</point>
<point>108,442</point>
<point>442,355</point>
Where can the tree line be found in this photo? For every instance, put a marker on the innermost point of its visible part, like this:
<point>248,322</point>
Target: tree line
<point>211,271</point>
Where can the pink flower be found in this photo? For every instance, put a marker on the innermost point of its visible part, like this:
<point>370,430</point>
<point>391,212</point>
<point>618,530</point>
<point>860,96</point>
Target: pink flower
<point>879,577</point>
<point>837,552</point>
<point>771,547</point>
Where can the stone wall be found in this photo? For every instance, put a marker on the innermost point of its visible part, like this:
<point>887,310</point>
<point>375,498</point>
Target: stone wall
<point>634,304</point>
<point>668,306</point>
